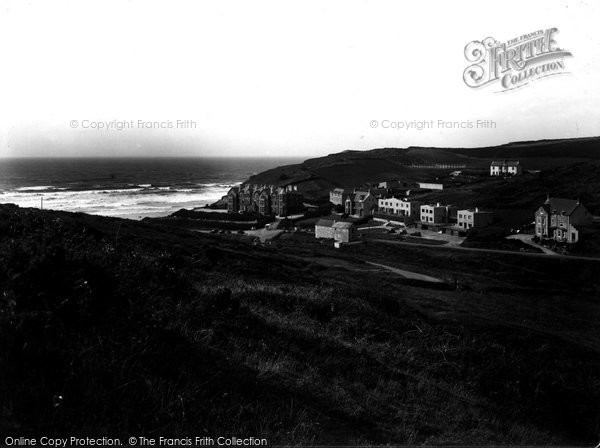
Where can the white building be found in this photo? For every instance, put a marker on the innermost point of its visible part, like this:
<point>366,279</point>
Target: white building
<point>399,206</point>
<point>430,186</point>
<point>437,213</point>
<point>474,218</point>
<point>506,168</point>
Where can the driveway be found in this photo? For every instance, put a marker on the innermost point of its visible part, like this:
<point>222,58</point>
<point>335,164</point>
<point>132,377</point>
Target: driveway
<point>528,239</point>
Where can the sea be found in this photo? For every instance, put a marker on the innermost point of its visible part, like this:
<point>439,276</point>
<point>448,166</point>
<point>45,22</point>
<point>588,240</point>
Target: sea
<point>131,188</point>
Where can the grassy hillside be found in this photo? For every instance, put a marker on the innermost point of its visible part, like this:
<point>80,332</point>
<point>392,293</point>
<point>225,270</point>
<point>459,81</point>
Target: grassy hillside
<point>116,327</point>
<point>350,168</point>
<point>517,198</point>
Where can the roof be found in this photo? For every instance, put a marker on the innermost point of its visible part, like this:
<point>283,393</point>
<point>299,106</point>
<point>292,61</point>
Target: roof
<point>362,195</point>
<point>560,205</point>
<point>325,223</point>
<point>473,210</point>
<point>399,198</point>
<point>436,205</point>
<point>506,163</point>
<point>343,225</point>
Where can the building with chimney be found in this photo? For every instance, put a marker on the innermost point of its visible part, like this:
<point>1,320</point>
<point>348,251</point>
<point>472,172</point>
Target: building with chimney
<point>265,199</point>
<point>437,214</point>
<point>474,218</point>
<point>561,220</point>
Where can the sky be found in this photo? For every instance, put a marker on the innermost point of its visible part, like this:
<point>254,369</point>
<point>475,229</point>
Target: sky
<point>279,78</point>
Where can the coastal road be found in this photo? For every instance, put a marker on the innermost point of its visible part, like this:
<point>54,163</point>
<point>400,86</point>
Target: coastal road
<point>492,251</point>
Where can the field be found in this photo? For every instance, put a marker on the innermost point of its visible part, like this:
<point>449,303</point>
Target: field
<point>113,327</point>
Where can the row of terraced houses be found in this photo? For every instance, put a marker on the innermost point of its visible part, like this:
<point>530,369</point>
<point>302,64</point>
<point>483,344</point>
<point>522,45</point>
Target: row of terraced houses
<point>265,199</point>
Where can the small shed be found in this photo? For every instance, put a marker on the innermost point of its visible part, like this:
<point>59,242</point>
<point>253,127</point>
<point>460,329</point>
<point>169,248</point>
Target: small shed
<point>343,232</point>
<point>324,228</point>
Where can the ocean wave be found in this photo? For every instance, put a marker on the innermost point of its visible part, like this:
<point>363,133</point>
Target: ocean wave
<point>39,188</point>
<point>131,202</point>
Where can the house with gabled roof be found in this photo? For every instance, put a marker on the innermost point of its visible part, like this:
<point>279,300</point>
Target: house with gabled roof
<point>364,203</point>
<point>343,232</point>
<point>561,220</point>
<point>265,199</point>
<point>233,200</point>
<point>264,202</point>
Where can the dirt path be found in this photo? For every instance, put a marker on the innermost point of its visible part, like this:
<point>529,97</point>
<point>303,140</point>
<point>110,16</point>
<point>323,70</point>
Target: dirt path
<point>336,262</point>
<point>408,274</point>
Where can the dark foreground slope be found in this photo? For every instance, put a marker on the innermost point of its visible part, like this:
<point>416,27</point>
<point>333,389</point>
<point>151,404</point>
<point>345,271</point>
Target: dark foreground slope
<point>113,327</point>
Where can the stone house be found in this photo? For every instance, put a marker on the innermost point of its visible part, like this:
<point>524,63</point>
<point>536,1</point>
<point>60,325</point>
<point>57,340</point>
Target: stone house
<point>339,231</point>
<point>364,203</point>
<point>266,199</point>
<point>344,232</point>
<point>233,200</point>
<point>264,202</point>
<point>561,220</point>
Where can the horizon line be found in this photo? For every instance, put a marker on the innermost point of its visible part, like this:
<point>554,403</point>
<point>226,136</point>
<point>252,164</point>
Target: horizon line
<point>299,156</point>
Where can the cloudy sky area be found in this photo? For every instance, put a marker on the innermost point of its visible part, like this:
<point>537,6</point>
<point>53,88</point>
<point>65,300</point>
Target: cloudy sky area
<point>277,78</point>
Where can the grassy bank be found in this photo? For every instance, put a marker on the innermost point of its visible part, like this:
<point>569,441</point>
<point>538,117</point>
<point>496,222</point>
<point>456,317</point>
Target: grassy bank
<point>110,326</point>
